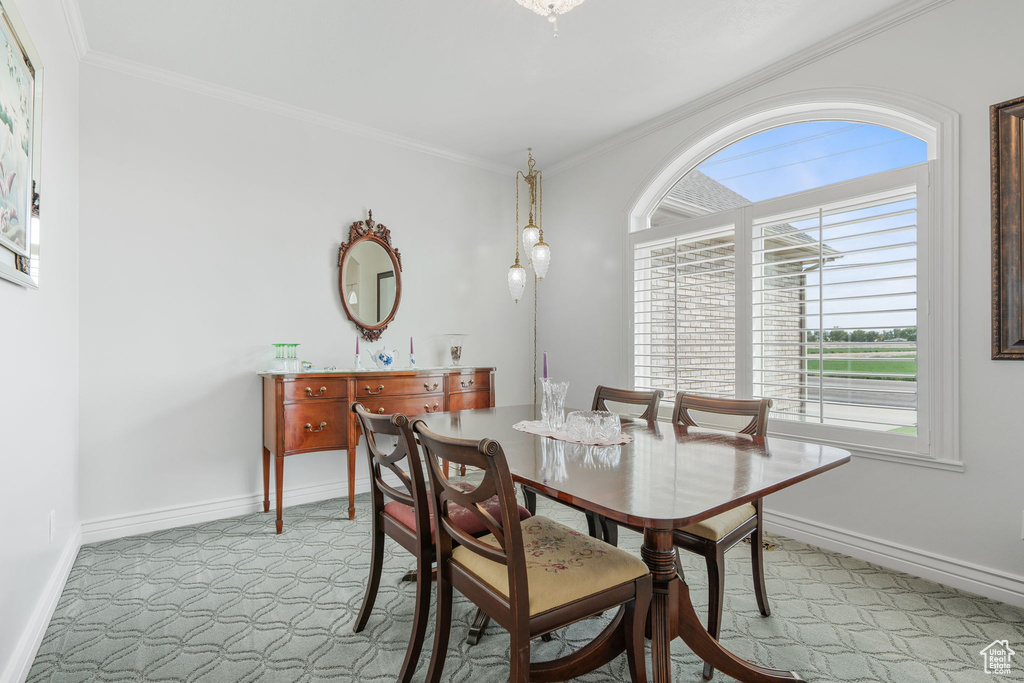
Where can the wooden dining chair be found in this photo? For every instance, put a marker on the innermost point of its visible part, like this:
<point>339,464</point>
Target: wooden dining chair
<point>531,576</point>
<point>713,537</point>
<point>406,519</point>
<point>598,526</point>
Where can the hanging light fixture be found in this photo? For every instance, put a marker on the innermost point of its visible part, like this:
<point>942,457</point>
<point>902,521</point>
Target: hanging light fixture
<point>550,8</point>
<point>532,235</point>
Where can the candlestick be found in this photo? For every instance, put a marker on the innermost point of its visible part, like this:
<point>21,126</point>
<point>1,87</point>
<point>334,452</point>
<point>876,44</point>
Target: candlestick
<point>545,365</point>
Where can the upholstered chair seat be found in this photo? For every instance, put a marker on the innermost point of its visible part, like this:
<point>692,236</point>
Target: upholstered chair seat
<point>562,565</point>
<point>460,516</point>
<point>720,526</point>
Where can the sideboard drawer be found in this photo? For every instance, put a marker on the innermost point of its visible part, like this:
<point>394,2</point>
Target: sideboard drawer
<point>311,426</point>
<point>469,399</point>
<point>470,381</point>
<point>315,389</point>
<point>409,405</point>
<point>384,385</point>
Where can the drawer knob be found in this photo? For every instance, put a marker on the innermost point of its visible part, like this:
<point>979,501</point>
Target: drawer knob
<point>309,391</point>
<point>380,388</point>
<point>466,386</point>
<point>309,427</point>
<point>428,387</point>
<point>429,409</point>
<point>380,411</point>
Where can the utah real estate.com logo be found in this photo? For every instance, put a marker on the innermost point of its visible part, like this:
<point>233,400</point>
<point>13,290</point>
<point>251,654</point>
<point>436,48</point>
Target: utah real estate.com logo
<point>997,657</point>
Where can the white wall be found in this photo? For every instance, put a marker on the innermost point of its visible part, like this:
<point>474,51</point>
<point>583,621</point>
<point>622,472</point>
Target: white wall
<point>39,367</point>
<point>957,56</point>
<point>213,231</point>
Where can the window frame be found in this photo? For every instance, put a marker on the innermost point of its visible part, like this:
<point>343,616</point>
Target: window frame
<point>937,445</point>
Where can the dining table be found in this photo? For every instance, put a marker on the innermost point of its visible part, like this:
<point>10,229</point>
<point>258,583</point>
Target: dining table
<point>668,476</point>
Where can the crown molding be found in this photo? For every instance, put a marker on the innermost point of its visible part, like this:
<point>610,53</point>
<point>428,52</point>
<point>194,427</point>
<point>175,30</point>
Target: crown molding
<point>73,15</point>
<point>862,31</point>
<point>151,73</point>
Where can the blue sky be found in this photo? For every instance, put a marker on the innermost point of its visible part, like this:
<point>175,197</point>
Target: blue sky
<point>804,156</point>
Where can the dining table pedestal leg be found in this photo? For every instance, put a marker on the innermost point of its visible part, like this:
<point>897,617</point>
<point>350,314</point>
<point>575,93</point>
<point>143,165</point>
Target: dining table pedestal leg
<point>672,615</point>
<point>658,554</point>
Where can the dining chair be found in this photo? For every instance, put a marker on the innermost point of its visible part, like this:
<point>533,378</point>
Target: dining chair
<point>405,518</point>
<point>598,526</point>
<point>713,537</point>
<point>531,576</point>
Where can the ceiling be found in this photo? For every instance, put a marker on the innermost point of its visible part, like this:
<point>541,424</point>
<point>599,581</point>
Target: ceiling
<point>479,77</point>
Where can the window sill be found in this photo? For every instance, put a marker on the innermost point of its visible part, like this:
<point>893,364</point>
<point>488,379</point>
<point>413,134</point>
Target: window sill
<point>876,453</point>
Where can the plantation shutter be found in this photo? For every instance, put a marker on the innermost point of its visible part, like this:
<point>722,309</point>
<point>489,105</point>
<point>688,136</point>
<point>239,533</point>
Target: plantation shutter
<point>834,312</point>
<point>684,313</point>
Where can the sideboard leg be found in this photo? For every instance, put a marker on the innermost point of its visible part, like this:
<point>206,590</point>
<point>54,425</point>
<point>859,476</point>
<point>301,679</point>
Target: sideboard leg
<point>352,482</point>
<point>266,479</point>
<point>279,488</point>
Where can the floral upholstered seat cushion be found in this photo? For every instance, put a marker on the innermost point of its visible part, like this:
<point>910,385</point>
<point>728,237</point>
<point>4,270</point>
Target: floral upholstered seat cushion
<point>719,526</point>
<point>562,565</point>
<point>460,516</point>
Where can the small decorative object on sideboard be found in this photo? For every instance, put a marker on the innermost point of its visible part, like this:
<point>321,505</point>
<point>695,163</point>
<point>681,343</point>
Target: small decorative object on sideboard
<point>455,348</point>
<point>412,355</point>
<point>286,358</point>
<point>384,358</point>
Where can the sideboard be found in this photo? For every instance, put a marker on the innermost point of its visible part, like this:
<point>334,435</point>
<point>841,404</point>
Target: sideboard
<point>309,411</point>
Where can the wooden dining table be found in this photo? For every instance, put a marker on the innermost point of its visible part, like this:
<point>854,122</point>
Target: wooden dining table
<point>669,476</point>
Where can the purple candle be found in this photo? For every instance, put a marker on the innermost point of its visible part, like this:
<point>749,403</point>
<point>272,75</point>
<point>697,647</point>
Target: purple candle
<point>545,365</point>
<point>357,346</point>
<point>410,346</point>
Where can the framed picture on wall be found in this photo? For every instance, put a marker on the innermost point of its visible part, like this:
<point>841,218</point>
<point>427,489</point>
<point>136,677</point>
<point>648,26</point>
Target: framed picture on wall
<point>19,151</point>
<point>1007,130</point>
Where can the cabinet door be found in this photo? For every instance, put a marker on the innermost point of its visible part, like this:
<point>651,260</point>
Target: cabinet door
<point>469,399</point>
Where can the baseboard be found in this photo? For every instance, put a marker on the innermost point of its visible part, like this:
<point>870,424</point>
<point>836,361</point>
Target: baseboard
<point>148,521</point>
<point>991,583</point>
<point>32,635</point>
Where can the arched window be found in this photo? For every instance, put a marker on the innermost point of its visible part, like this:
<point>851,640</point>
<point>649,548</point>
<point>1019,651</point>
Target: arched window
<point>793,258</point>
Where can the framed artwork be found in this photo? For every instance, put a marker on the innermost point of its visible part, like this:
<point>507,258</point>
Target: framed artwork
<point>19,152</point>
<point>1007,127</point>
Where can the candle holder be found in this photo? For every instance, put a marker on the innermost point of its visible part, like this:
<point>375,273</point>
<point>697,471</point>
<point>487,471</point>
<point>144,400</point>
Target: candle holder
<point>357,362</point>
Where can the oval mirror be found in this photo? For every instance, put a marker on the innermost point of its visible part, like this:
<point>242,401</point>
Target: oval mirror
<point>370,279</point>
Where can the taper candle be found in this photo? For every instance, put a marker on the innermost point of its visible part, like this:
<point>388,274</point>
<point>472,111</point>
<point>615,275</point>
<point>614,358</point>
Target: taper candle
<point>410,346</point>
<point>545,365</point>
<point>357,345</point>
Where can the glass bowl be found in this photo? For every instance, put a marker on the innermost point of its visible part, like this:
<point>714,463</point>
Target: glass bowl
<point>592,425</point>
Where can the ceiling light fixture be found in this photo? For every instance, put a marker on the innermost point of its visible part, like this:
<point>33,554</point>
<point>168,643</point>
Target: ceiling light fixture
<point>550,8</point>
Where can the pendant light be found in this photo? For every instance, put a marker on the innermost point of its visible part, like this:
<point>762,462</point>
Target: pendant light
<point>533,234</point>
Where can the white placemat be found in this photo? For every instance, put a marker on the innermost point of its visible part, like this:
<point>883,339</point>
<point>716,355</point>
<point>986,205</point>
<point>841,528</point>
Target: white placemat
<point>540,429</point>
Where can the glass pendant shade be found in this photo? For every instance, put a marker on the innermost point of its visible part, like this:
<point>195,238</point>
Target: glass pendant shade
<point>541,255</point>
<point>516,281</point>
<point>531,235</point>
<point>352,298</point>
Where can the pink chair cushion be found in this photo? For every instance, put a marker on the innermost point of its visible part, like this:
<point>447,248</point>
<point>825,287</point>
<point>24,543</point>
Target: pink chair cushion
<point>460,516</point>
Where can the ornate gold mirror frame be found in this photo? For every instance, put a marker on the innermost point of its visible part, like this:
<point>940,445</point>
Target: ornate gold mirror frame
<point>362,232</point>
<point>1007,123</point>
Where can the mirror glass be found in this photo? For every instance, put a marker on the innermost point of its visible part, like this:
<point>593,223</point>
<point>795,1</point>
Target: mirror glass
<point>369,282</point>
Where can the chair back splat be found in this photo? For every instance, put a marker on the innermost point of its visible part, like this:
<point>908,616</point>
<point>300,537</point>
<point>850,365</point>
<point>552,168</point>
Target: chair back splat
<point>485,455</point>
<point>756,409</point>
<point>651,399</point>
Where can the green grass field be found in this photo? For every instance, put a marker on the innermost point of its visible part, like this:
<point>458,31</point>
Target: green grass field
<point>872,367</point>
<point>873,349</point>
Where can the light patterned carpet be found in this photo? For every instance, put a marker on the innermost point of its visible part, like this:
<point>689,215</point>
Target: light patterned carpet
<point>231,601</point>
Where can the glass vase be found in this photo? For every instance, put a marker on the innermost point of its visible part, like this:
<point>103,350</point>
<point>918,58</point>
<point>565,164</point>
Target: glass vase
<point>552,407</point>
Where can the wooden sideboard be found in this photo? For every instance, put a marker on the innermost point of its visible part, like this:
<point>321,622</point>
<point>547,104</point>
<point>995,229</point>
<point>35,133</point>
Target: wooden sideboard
<point>309,411</point>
